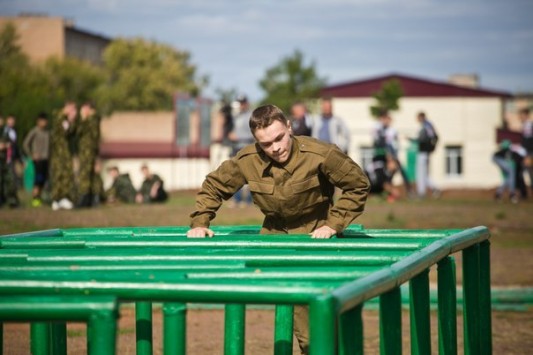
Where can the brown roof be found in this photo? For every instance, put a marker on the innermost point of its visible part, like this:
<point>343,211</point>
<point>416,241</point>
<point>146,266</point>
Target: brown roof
<point>412,87</point>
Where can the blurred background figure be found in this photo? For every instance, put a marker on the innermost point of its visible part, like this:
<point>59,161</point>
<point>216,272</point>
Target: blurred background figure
<point>61,162</point>
<point>380,172</point>
<point>527,143</point>
<point>88,131</point>
<point>8,183</point>
<point>240,137</point>
<point>121,189</point>
<point>152,189</point>
<point>98,190</point>
<point>426,140</point>
<point>385,139</point>
<point>509,161</point>
<point>300,121</point>
<point>330,128</point>
<point>37,146</point>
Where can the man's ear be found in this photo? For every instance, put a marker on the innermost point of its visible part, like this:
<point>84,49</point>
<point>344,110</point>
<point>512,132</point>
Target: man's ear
<point>289,126</point>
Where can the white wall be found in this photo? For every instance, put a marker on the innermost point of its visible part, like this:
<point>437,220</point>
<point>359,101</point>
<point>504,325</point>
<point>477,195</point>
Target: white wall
<point>468,122</point>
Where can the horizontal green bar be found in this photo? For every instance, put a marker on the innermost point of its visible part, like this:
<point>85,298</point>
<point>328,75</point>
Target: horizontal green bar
<point>195,291</point>
<point>50,308</point>
<point>286,242</point>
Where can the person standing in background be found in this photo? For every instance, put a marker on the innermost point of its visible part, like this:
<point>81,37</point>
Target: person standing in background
<point>152,189</point>
<point>37,146</point>
<point>331,129</point>
<point>240,137</point>
<point>88,131</point>
<point>426,140</point>
<point>61,168</point>
<point>300,122</point>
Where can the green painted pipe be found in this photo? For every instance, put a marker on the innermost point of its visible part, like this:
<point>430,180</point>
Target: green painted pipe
<point>174,328</point>
<point>143,327</point>
<point>283,329</point>
<point>234,329</point>
<point>40,338</point>
<point>390,322</point>
<point>420,325</point>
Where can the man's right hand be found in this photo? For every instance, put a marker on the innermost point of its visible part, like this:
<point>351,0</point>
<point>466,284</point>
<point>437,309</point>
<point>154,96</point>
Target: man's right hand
<point>200,232</point>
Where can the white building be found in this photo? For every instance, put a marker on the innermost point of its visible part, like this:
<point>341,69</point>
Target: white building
<point>466,119</point>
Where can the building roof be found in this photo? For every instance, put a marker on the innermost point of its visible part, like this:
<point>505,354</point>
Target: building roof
<point>412,87</point>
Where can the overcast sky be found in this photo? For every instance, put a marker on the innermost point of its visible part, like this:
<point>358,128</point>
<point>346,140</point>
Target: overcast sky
<point>235,41</point>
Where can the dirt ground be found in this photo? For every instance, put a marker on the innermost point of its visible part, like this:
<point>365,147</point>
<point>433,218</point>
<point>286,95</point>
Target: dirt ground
<point>511,228</point>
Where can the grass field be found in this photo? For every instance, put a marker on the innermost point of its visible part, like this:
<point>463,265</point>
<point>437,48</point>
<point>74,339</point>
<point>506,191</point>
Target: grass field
<point>511,227</point>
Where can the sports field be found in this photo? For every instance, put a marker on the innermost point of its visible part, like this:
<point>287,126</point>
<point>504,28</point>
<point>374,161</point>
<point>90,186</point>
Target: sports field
<point>511,227</point>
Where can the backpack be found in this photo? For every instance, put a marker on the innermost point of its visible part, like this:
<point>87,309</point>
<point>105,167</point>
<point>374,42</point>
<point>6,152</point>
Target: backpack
<point>429,141</point>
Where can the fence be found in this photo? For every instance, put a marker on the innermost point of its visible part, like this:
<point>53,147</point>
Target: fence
<point>333,277</point>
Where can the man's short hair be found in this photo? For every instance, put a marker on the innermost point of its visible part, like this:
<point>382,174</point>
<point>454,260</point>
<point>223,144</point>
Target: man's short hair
<point>265,115</point>
<point>524,111</point>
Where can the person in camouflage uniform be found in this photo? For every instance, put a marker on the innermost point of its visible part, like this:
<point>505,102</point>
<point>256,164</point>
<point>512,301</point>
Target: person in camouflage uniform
<point>122,189</point>
<point>88,131</point>
<point>152,189</point>
<point>61,169</point>
<point>8,184</point>
<point>98,191</point>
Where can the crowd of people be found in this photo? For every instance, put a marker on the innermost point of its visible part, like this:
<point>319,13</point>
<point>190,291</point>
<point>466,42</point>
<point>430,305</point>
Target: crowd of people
<point>64,154</point>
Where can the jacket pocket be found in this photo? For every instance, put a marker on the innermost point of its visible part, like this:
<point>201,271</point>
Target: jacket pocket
<point>308,184</point>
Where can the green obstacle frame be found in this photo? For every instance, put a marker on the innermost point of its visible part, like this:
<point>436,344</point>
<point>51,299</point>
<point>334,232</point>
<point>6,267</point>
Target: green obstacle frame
<point>334,278</point>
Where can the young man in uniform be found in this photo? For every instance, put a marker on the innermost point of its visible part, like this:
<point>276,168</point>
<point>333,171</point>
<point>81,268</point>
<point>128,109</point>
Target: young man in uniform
<point>292,180</point>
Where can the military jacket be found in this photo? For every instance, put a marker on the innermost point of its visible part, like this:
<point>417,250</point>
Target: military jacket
<point>296,197</point>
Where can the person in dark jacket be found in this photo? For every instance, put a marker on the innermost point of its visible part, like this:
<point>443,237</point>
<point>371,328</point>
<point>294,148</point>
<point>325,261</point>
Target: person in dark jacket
<point>509,160</point>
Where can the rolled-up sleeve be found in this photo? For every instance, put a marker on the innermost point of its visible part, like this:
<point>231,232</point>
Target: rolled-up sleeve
<point>346,175</point>
<point>219,185</point>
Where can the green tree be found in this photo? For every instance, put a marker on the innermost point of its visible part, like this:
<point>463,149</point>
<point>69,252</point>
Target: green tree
<point>145,75</point>
<point>291,80</point>
<point>387,99</point>
<point>23,91</point>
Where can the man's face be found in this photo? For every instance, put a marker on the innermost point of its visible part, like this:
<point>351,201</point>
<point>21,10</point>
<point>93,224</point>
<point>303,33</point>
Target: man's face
<point>326,108</point>
<point>42,123</point>
<point>298,111</point>
<point>10,121</point>
<point>276,141</point>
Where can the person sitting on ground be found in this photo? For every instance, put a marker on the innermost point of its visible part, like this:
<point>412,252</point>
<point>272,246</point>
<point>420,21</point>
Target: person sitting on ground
<point>509,160</point>
<point>122,189</point>
<point>152,189</point>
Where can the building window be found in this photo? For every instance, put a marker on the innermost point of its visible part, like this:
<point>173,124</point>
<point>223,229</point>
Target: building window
<point>366,154</point>
<point>454,160</point>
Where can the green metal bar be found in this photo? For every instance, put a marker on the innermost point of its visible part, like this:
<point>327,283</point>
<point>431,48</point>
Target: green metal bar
<point>351,338</point>
<point>101,334</point>
<point>234,329</point>
<point>485,318</point>
<point>419,314</point>
<point>283,330</point>
<point>143,327</point>
<point>40,338</point>
<point>323,326</point>
<point>174,328</point>
<point>390,322</point>
<point>447,311</point>
<point>58,338</point>
<point>471,314</point>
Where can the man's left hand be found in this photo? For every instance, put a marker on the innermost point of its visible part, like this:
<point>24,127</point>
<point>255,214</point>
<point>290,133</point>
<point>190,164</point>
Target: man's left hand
<point>323,232</point>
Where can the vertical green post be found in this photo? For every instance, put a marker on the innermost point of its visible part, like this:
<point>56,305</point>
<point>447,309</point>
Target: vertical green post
<point>143,327</point>
<point>322,326</point>
<point>447,312</point>
<point>471,316</point>
<point>283,329</point>
<point>390,322</point>
<point>351,332</point>
<point>175,328</point>
<point>58,340</point>
<point>40,338</point>
<point>234,329</point>
<point>102,333</point>
<point>485,315</point>
<point>419,314</point>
